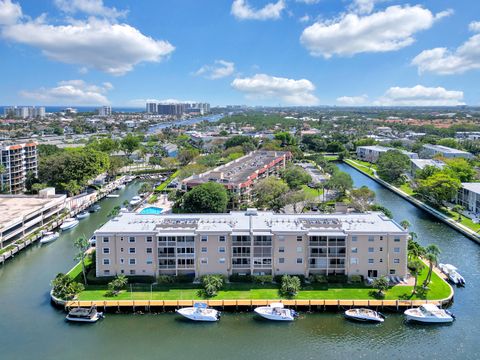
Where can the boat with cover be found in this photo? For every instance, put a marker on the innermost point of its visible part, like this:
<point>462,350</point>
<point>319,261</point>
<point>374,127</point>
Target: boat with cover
<point>429,313</point>
<point>452,273</point>
<point>49,236</point>
<point>277,312</point>
<point>69,223</point>
<point>366,315</point>
<point>83,215</point>
<point>79,314</point>
<point>113,195</point>
<point>199,312</point>
<point>136,200</point>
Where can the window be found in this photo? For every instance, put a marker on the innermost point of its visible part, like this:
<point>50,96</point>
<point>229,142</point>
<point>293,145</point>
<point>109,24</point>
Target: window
<point>132,261</point>
<point>370,261</point>
<point>299,261</point>
<point>105,239</point>
<point>149,250</point>
<point>281,260</point>
<point>299,238</point>
<point>392,271</point>
<point>354,238</point>
<point>204,249</point>
<point>203,261</point>
<point>371,238</point>
<point>121,249</point>
<point>121,238</point>
<point>299,249</point>
<point>149,239</point>
<point>354,250</point>
<point>221,249</point>
<point>281,249</point>
<point>131,239</point>
<point>381,237</point>
<point>106,272</point>
<point>381,260</point>
<point>221,261</point>
<point>281,237</point>
<point>204,238</point>
<point>106,250</point>
<point>381,248</point>
<point>221,238</point>
<point>396,250</point>
<point>397,239</point>
<point>396,261</point>
<point>149,261</point>
<point>132,272</point>
<point>106,261</point>
<point>370,249</point>
<point>122,261</point>
<point>354,261</point>
<point>131,250</point>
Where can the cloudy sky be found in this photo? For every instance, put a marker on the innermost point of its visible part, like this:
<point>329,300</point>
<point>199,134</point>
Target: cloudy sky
<point>256,52</point>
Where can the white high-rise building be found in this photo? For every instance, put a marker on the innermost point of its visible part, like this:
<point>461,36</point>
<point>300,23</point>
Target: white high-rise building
<point>152,108</point>
<point>105,111</point>
<point>25,112</point>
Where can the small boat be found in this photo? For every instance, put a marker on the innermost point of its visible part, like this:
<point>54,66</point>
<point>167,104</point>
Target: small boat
<point>136,200</point>
<point>83,215</point>
<point>199,312</point>
<point>123,210</point>
<point>49,236</point>
<point>69,224</point>
<point>276,311</point>
<point>93,241</point>
<point>84,315</point>
<point>366,315</point>
<point>452,273</point>
<point>113,196</point>
<point>94,208</point>
<point>121,187</point>
<point>429,313</point>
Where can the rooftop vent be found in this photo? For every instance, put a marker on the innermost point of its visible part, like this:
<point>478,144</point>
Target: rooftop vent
<point>251,212</point>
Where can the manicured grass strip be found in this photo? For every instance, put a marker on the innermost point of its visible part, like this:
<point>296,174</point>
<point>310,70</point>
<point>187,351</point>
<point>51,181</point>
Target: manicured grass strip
<point>163,185</point>
<point>311,193</point>
<point>77,269</point>
<point>364,166</point>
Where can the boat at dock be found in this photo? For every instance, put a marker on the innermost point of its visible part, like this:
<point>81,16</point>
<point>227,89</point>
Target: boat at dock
<point>136,200</point>
<point>121,187</point>
<point>429,313</point>
<point>452,274</point>
<point>94,208</point>
<point>49,236</point>
<point>365,315</point>
<point>83,215</point>
<point>69,224</point>
<point>199,312</point>
<point>276,312</point>
<point>79,314</point>
<point>113,195</point>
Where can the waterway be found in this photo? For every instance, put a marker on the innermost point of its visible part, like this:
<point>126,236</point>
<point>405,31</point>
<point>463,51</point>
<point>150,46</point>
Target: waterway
<point>30,328</point>
<point>183,122</point>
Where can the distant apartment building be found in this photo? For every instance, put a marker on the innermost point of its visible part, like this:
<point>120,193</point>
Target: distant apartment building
<point>18,160</point>
<point>105,111</point>
<point>177,109</point>
<point>468,135</point>
<point>420,164</point>
<point>430,151</point>
<point>239,176</point>
<point>469,197</point>
<point>372,153</point>
<point>252,242</point>
<point>151,108</point>
<point>25,112</point>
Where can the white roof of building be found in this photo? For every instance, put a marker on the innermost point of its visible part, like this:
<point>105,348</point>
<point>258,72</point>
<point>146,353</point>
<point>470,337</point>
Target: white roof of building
<point>473,187</point>
<point>444,149</point>
<point>421,163</point>
<point>241,223</point>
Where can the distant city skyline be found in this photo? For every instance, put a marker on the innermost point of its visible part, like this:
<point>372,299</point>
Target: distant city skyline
<point>253,52</point>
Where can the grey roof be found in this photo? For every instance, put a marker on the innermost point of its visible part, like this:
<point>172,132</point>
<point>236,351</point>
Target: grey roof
<point>473,187</point>
<point>445,149</point>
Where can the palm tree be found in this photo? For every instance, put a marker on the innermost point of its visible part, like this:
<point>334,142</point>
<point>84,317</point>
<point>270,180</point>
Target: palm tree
<point>82,245</point>
<point>415,250</point>
<point>381,284</point>
<point>405,224</point>
<point>431,255</point>
<point>415,267</point>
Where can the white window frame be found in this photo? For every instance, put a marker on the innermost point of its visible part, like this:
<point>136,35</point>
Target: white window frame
<point>204,238</point>
<point>106,261</point>
<point>132,252</point>
<point>354,250</point>
<point>396,261</point>
<point>371,261</point>
<point>299,249</point>
<point>281,249</point>
<point>371,249</point>
<point>281,260</point>
<point>354,261</point>
<point>299,260</point>
<point>204,249</point>
<point>105,239</point>
<point>204,261</point>
<point>222,261</point>
<point>222,237</point>
<point>222,250</point>
<point>106,250</point>
<point>132,261</point>
<point>132,239</point>
<point>396,250</point>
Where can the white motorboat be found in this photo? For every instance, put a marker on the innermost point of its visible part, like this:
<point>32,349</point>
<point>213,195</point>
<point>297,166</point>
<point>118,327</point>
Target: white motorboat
<point>121,187</point>
<point>94,208</point>
<point>276,311</point>
<point>366,315</point>
<point>199,312</point>
<point>113,196</point>
<point>429,313</point>
<point>84,315</point>
<point>49,236</point>
<point>93,241</point>
<point>136,200</point>
<point>452,273</point>
<point>69,224</point>
<point>123,210</point>
<point>83,215</point>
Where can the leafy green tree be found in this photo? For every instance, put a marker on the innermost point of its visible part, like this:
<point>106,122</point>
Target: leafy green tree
<point>315,143</point>
<point>295,177</point>
<point>415,250</point>
<point>187,155</point>
<point>365,142</point>
<point>362,198</point>
<point>209,197</point>
<point>335,147</point>
<point>212,284</point>
<point>381,284</point>
<point>439,187</point>
<point>340,181</point>
<point>129,144</point>
<point>81,244</point>
<point>268,193</point>
<point>286,138</point>
<point>449,142</point>
<point>65,288</point>
<point>72,187</point>
<point>117,285</point>
<point>431,255</point>
<point>47,150</point>
<point>239,140</point>
<point>415,267</point>
<point>461,169</point>
<point>290,285</point>
<point>115,211</point>
<point>405,224</point>
<point>391,165</point>
<point>426,172</point>
<point>37,187</point>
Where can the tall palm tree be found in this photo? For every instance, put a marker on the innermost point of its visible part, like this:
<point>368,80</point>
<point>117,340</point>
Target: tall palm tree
<point>405,224</point>
<point>415,250</point>
<point>431,255</point>
<point>415,267</point>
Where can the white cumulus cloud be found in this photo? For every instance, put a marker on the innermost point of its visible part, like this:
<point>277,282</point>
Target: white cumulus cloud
<point>447,62</point>
<point>287,91</point>
<point>9,12</point>
<point>218,70</point>
<point>93,43</point>
<point>90,7</point>
<point>70,92</point>
<point>352,100</point>
<point>309,2</point>
<point>420,96</point>
<point>388,30</point>
<point>242,10</point>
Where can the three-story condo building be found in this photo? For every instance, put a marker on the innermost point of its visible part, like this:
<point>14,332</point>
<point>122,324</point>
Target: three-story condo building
<point>252,242</point>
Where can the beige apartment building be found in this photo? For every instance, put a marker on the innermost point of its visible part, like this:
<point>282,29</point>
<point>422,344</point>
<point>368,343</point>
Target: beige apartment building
<point>252,242</point>
<point>18,160</point>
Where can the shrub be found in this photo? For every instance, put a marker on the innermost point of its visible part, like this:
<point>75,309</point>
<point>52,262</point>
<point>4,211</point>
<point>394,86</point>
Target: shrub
<point>65,288</point>
<point>165,279</point>
<point>290,285</point>
<point>318,279</point>
<point>212,283</point>
<point>356,279</point>
<point>116,285</point>
<point>337,279</point>
<point>278,278</point>
<point>262,279</point>
<point>240,278</point>
<point>185,278</point>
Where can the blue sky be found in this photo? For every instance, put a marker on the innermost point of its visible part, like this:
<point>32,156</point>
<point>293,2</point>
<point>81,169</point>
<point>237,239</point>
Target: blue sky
<point>257,52</point>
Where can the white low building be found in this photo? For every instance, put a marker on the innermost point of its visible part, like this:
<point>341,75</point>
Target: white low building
<point>372,153</point>
<point>420,164</point>
<point>429,150</point>
<point>469,197</point>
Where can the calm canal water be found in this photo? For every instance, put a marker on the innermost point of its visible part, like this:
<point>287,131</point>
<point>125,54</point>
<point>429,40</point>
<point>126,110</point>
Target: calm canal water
<point>30,328</point>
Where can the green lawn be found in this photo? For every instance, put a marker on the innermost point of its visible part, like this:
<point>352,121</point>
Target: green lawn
<point>311,193</point>
<point>362,166</point>
<point>77,269</point>
<point>405,187</point>
<point>238,291</point>
<point>464,220</point>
